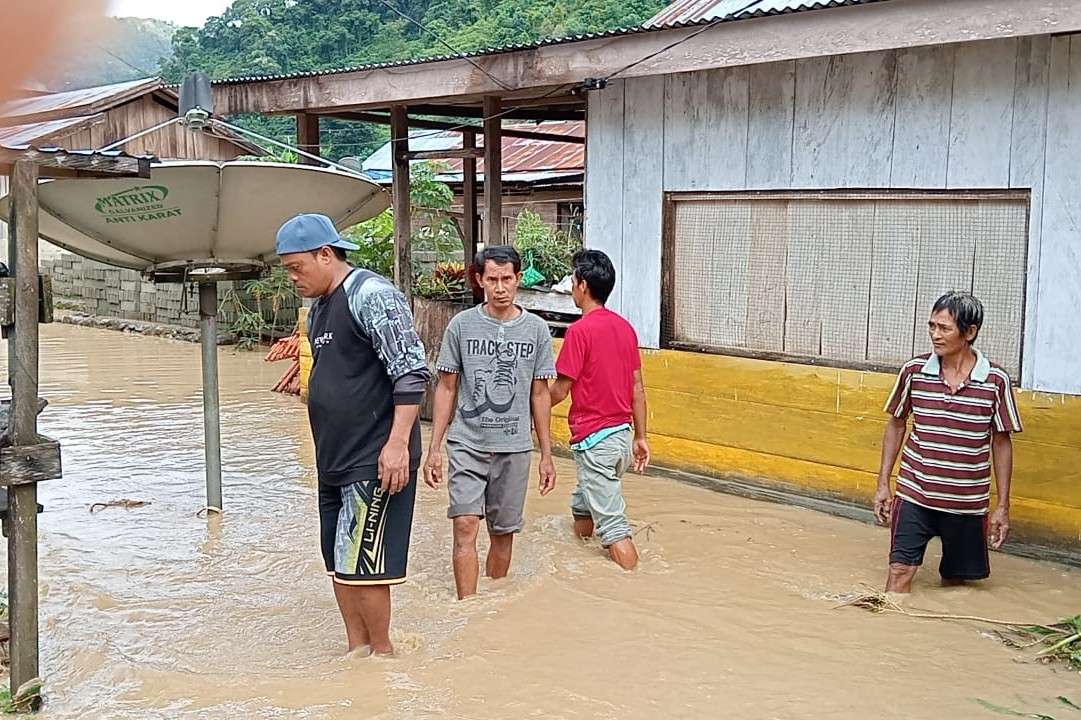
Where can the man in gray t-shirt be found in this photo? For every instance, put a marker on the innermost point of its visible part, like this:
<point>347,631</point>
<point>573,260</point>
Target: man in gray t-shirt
<point>494,366</point>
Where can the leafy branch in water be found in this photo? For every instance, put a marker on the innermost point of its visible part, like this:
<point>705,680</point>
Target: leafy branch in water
<point>1059,641</point>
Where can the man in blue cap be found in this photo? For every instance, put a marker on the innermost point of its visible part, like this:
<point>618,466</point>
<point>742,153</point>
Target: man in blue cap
<point>368,378</point>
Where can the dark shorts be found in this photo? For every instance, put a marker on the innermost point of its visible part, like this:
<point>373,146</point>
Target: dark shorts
<point>364,532</point>
<point>964,540</point>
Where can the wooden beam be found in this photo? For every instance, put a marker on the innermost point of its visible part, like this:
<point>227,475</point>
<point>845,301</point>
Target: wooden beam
<point>308,136</point>
<point>61,163</point>
<point>403,244</point>
<point>23,422</point>
<point>423,124</point>
<point>471,220</point>
<point>493,170</point>
<point>856,29</point>
<point>448,154</point>
<point>23,464</point>
<point>515,114</point>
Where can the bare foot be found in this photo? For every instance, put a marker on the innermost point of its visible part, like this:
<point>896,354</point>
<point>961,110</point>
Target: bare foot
<point>360,651</point>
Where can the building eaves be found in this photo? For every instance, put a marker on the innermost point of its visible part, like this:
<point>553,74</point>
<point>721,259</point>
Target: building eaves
<point>763,8</point>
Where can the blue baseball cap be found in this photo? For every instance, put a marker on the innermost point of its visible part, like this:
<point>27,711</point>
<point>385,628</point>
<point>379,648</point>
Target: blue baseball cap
<point>307,232</point>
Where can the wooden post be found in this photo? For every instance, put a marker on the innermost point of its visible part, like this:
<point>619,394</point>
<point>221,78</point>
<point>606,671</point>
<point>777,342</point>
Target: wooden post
<point>493,170</point>
<point>471,227</point>
<point>403,250</point>
<point>308,136</point>
<point>22,498</point>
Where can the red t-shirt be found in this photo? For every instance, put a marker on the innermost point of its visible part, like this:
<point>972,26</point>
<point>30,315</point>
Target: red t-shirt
<point>600,354</point>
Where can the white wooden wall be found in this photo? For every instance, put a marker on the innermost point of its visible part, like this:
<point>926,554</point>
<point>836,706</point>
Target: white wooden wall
<point>989,114</point>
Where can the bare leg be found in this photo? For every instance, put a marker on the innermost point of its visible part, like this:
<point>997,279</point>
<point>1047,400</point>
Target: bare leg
<point>466,564</point>
<point>374,602</point>
<point>624,553</point>
<point>499,553</point>
<point>900,578</point>
<point>356,632</point>
<point>583,526</point>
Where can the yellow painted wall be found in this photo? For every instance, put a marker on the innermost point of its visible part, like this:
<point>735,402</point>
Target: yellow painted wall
<point>819,430</point>
<point>305,352</point>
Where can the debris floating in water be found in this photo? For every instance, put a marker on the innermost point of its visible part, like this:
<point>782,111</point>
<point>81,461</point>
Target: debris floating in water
<point>125,503</point>
<point>1060,641</point>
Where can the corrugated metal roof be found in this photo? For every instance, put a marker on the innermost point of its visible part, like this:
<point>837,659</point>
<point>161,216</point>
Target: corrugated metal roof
<point>684,12</point>
<point>61,152</point>
<point>520,155</point>
<point>84,102</point>
<point>35,132</point>
<point>764,7</point>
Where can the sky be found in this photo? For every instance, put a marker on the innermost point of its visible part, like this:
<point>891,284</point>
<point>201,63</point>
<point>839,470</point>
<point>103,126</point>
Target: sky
<point>187,12</point>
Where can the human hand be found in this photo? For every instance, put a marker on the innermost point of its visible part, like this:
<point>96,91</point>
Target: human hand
<point>547,475</point>
<point>433,468</point>
<point>1000,526</point>
<point>883,503</point>
<point>394,466</point>
<point>641,455</point>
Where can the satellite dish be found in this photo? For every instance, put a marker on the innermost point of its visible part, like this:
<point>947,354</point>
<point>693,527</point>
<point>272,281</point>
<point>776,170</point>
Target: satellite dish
<point>198,222</point>
<point>193,217</point>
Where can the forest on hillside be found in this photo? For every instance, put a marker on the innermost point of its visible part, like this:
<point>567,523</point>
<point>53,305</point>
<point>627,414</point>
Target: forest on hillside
<point>259,37</point>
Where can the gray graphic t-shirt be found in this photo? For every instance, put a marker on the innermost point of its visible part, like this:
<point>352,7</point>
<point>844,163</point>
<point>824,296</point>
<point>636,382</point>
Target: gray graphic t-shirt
<point>496,363</point>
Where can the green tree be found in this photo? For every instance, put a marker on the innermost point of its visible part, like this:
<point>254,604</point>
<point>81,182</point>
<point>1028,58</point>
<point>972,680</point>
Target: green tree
<point>266,37</point>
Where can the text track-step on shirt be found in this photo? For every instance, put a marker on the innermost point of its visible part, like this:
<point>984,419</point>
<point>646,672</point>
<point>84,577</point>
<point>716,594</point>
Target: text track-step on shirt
<point>496,363</point>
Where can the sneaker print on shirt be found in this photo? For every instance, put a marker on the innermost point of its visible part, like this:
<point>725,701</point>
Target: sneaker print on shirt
<point>494,386</point>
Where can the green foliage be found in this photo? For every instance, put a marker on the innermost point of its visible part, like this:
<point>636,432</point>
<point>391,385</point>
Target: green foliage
<point>447,282</point>
<point>546,250</point>
<point>433,230</point>
<point>281,156</point>
<point>259,37</point>
<point>26,700</point>
<point>281,36</point>
<point>254,312</point>
<point>376,240</point>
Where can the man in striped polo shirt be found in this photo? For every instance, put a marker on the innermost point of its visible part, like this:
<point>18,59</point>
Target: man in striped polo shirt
<point>963,413</point>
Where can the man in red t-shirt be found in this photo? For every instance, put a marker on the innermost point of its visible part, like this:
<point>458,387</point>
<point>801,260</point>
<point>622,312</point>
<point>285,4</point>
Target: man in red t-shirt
<point>600,368</point>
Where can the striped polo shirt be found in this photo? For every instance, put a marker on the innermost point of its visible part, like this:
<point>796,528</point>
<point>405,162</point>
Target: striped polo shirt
<point>946,462</point>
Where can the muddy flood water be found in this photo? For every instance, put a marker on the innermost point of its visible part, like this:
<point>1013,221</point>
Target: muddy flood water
<point>152,612</point>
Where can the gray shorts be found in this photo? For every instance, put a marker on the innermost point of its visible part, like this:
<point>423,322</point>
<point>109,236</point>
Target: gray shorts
<point>488,485</point>
<point>599,493</point>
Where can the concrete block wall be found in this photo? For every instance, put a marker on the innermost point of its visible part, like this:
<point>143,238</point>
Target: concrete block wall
<point>99,289</point>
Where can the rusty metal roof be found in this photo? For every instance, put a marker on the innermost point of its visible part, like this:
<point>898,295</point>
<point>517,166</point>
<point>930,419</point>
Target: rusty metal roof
<point>757,8</point>
<point>88,101</point>
<point>520,155</point>
<point>692,12</point>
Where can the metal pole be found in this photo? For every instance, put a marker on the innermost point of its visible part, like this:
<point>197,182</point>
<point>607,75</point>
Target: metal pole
<point>208,339</point>
<point>23,498</point>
